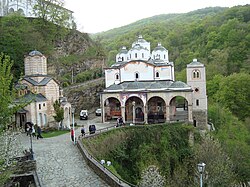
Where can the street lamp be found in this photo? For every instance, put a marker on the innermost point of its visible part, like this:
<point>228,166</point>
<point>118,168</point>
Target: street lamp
<point>73,122</point>
<point>133,103</point>
<point>201,169</point>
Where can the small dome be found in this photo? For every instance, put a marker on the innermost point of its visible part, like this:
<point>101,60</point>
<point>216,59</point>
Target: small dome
<point>160,48</point>
<point>123,50</point>
<point>35,53</point>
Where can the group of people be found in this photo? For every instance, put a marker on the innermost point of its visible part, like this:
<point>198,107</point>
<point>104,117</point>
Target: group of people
<point>33,130</point>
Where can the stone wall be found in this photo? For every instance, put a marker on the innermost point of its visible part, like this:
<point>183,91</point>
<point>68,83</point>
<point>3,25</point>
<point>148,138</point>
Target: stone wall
<point>201,119</point>
<point>100,170</point>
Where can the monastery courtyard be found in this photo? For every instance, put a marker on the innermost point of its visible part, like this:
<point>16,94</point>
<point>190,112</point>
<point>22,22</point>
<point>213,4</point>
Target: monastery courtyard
<point>60,163</point>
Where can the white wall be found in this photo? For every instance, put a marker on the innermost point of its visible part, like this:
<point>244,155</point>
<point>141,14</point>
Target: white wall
<point>146,71</point>
<point>110,76</point>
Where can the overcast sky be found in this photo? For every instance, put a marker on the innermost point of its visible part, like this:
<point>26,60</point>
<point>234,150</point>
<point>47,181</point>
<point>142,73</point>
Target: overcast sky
<point>94,16</point>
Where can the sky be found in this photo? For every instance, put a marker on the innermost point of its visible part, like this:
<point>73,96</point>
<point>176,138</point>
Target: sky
<point>94,16</point>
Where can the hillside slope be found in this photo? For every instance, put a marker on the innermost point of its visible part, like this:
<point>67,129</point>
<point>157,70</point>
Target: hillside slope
<point>218,37</point>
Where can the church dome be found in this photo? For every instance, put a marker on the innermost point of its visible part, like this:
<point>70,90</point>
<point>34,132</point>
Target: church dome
<point>160,48</point>
<point>35,53</point>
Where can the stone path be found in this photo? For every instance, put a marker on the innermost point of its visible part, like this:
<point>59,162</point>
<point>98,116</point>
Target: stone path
<point>60,164</point>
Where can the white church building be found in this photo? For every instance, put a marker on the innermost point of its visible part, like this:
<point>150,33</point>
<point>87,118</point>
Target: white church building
<point>141,88</point>
<point>40,91</point>
<point>24,7</point>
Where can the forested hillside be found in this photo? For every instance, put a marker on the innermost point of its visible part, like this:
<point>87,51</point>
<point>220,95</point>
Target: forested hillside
<point>219,38</point>
<point>65,48</point>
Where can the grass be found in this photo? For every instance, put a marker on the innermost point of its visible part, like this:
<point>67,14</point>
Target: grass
<point>113,170</point>
<point>54,133</point>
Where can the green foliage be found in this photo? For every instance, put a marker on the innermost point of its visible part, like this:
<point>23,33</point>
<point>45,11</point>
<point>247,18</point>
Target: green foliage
<point>88,75</point>
<point>53,11</point>
<point>234,136</point>
<point>131,150</point>
<point>59,111</point>
<point>218,37</point>
<point>6,91</point>
<point>234,93</point>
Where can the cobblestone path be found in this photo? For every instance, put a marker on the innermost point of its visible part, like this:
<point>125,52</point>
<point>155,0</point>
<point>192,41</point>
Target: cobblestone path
<point>60,163</point>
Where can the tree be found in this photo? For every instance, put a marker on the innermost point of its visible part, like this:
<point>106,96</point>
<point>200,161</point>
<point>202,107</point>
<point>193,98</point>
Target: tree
<point>59,112</point>
<point>9,146</point>
<point>234,93</point>
<point>6,91</point>
<point>53,11</point>
<point>219,167</point>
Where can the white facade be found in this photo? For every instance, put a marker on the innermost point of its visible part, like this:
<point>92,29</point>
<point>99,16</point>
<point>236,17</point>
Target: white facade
<point>196,78</point>
<point>138,64</point>
<point>25,7</point>
<point>142,89</point>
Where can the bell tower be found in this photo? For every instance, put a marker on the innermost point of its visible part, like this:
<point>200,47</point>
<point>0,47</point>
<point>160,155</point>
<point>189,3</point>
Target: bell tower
<point>196,78</point>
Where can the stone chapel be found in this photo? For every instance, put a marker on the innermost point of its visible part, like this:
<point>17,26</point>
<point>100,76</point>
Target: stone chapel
<point>141,88</point>
<point>40,91</point>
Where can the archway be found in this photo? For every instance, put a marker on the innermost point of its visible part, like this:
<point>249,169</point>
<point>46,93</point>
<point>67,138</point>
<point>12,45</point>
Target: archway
<point>178,109</point>
<point>136,104</point>
<point>11,10</point>
<point>20,11</point>
<point>112,109</point>
<point>156,110</point>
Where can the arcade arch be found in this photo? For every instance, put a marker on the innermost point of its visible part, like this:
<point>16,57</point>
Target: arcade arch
<point>156,110</point>
<point>112,109</point>
<point>134,110</point>
<point>178,109</point>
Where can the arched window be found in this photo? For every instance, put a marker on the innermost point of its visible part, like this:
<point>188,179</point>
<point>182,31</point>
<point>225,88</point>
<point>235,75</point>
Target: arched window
<point>157,74</point>
<point>117,77</point>
<point>196,74</point>
<point>136,76</point>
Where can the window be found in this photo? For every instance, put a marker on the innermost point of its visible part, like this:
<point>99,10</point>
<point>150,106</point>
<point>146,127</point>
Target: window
<point>43,104</point>
<point>117,76</point>
<point>39,106</point>
<point>164,56</point>
<point>196,89</point>
<point>142,55</point>
<point>196,74</point>
<point>157,74</point>
<point>136,76</point>
<point>135,55</point>
<point>197,102</point>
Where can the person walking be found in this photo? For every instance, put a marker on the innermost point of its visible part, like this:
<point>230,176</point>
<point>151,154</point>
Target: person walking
<point>83,131</point>
<point>39,132</point>
<point>72,132</point>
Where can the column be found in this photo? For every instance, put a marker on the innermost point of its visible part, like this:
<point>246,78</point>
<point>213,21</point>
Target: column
<point>167,114</point>
<point>123,113</point>
<point>145,114</point>
<point>190,113</point>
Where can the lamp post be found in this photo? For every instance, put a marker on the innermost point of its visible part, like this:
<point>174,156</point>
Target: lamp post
<point>201,169</point>
<point>31,148</point>
<point>73,122</point>
<point>133,103</point>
